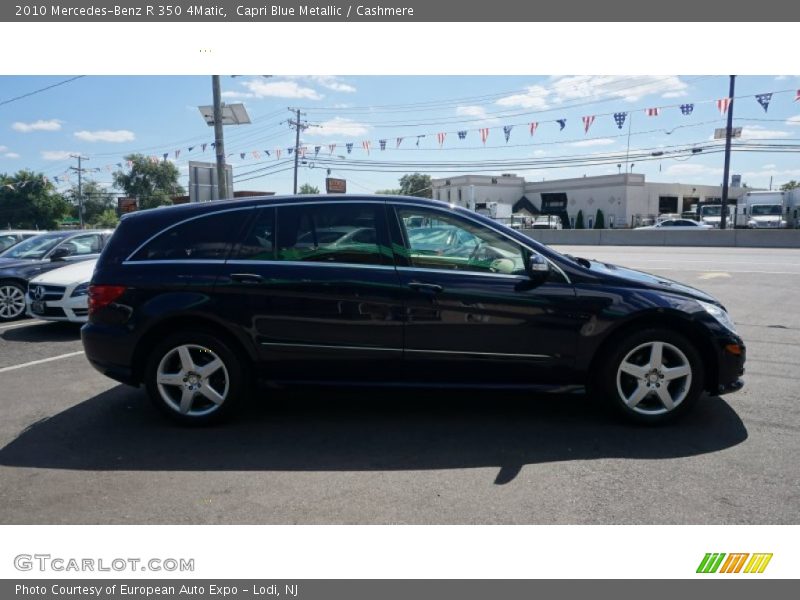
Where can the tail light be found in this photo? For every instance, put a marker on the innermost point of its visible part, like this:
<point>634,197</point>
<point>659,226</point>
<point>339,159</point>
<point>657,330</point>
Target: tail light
<point>102,295</point>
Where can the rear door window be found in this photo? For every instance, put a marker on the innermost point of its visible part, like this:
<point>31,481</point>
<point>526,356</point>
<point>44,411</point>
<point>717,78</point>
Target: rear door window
<point>333,232</point>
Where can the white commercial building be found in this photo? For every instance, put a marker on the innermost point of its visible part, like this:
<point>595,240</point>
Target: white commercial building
<point>625,199</point>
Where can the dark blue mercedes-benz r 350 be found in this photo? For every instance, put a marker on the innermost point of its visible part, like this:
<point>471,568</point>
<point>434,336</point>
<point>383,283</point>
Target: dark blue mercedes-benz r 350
<point>197,301</point>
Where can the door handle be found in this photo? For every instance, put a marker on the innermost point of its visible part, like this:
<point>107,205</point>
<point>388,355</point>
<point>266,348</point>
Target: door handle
<point>426,287</point>
<point>247,278</point>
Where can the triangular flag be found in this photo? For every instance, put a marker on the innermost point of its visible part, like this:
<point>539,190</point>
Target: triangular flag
<point>723,104</point>
<point>166,154</point>
<point>267,153</point>
<point>331,148</point>
<point>399,141</point>
<point>653,112</point>
<point>383,144</point>
<point>419,137</point>
<point>797,97</point>
<point>619,118</point>
<point>190,148</point>
<point>256,154</point>
<point>764,100</point>
<point>561,123</point>
<point>277,153</point>
<point>316,150</point>
<point>289,151</point>
<point>241,155</point>
<point>587,122</point>
<point>687,109</point>
<point>507,131</point>
<point>533,127</point>
<point>484,134</point>
<point>462,134</point>
<point>349,147</point>
<point>177,154</point>
<point>365,144</point>
<point>440,138</point>
<point>303,152</point>
<point>203,147</point>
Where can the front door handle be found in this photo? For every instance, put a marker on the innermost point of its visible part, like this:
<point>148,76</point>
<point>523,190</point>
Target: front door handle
<point>426,287</point>
<point>247,278</point>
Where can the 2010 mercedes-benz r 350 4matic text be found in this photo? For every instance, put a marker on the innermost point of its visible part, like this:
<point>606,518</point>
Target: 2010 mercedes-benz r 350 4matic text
<point>196,301</point>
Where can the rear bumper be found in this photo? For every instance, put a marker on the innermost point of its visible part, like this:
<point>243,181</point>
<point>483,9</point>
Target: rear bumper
<point>107,349</point>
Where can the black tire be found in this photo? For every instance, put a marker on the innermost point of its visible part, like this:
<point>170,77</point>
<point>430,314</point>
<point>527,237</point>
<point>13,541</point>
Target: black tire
<point>203,346</point>
<point>634,348</point>
<point>11,312</point>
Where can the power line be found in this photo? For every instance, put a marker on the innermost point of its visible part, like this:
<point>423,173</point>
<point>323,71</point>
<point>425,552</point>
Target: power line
<point>40,90</point>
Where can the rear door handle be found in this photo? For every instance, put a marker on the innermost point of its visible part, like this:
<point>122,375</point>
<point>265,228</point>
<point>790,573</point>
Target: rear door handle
<point>247,278</point>
<point>426,287</point>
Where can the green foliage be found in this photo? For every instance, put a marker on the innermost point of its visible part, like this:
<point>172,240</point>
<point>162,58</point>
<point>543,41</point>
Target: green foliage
<point>108,219</point>
<point>599,220</point>
<point>96,200</point>
<point>792,185</point>
<point>395,192</point>
<point>28,201</point>
<point>416,184</point>
<point>152,182</point>
<point>579,221</point>
<point>307,188</point>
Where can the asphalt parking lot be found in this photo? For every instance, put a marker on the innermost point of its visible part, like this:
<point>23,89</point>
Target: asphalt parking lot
<point>78,448</point>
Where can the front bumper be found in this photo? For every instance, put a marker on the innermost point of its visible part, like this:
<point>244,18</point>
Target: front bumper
<point>732,355</point>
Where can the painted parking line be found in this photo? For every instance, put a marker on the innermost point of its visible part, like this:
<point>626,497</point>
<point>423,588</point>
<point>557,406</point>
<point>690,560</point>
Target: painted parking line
<point>24,324</point>
<point>39,362</point>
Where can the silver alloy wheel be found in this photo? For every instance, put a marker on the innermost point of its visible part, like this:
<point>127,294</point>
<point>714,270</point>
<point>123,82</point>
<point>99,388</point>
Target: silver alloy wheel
<point>654,378</point>
<point>12,302</point>
<point>192,380</point>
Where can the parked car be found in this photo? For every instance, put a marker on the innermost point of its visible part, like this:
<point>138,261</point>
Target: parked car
<point>11,237</point>
<point>678,224</point>
<point>195,301</point>
<point>37,255</point>
<point>61,294</point>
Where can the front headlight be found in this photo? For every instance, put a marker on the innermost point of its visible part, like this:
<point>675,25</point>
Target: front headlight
<point>81,290</point>
<point>751,223</point>
<point>719,314</point>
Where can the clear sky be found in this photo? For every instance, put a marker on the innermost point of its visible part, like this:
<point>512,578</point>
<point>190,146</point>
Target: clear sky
<point>105,117</point>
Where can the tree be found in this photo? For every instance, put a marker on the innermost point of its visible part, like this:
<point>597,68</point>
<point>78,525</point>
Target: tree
<point>307,188</point>
<point>579,221</point>
<point>792,185</point>
<point>28,200</point>
<point>395,192</point>
<point>416,184</point>
<point>152,182</point>
<point>96,200</point>
<point>599,220</point>
<point>108,219</point>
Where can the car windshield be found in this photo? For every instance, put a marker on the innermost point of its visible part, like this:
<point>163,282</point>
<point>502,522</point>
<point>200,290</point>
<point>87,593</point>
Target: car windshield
<point>762,210</point>
<point>33,248</point>
<point>7,240</point>
<point>711,211</point>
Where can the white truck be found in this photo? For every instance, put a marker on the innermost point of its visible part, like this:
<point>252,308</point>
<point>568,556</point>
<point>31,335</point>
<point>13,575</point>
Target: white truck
<point>711,215</point>
<point>764,210</point>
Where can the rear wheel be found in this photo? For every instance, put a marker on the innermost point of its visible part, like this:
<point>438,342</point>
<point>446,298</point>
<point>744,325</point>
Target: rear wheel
<point>653,376</point>
<point>12,300</point>
<point>195,378</point>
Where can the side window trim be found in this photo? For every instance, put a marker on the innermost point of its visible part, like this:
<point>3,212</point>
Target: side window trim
<point>130,258</point>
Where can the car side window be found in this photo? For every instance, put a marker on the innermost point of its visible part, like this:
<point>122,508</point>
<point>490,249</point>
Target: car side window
<point>81,245</point>
<point>259,243</point>
<point>208,237</point>
<point>333,232</point>
<point>436,240</point>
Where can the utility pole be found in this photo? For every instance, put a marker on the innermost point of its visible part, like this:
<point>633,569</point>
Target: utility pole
<point>80,171</point>
<point>726,173</point>
<point>219,143</point>
<point>298,126</point>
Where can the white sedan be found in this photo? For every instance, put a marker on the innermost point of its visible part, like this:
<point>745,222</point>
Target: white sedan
<point>61,294</point>
<point>678,225</point>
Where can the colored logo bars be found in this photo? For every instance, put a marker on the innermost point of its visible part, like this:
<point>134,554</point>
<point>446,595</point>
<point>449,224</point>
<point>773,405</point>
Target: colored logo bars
<point>713,562</point>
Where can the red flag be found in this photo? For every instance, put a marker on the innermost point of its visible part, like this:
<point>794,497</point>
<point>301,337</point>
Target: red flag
<point>440,137</point>
<point>797,98</point>
<point>277,152</point>
<point>534,125</point>
<point>723,104</point>
<point>587,122</point>
<point>484,134</point>
<point>365,144</point>
<point>256,154</point>
<point>653,112</point>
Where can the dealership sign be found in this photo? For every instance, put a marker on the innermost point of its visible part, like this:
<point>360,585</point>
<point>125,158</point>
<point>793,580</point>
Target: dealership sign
<point>335,186</point>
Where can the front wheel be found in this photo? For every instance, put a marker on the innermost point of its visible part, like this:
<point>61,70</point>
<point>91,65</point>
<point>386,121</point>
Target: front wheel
<point>194,378</point>
<point>653,376</point>
<point>12,301</point>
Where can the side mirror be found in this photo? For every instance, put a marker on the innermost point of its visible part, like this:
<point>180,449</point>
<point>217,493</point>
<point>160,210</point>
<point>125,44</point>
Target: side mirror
<point>60,253</point>
<point>538,268</point>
